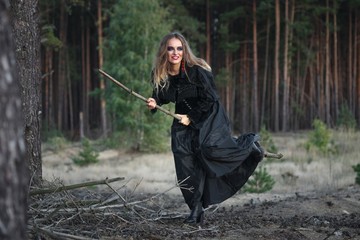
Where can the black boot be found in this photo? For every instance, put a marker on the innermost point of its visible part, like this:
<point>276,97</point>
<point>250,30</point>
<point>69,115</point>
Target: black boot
<point>196,215</point>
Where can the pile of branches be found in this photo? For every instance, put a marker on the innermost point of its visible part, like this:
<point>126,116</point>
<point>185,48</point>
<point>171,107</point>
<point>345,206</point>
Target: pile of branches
<point>82,211</point>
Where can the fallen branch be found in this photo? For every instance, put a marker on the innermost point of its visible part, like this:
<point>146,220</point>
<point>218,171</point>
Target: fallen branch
<point>100,207</point>
<point>74,186</point>
<point>273,155</point>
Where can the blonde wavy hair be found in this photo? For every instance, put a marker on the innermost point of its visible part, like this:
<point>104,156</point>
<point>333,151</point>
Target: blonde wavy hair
<point>161,66</point>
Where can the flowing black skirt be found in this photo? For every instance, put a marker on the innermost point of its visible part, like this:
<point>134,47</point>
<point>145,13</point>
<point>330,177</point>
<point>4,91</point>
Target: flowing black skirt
<point>210,163</point>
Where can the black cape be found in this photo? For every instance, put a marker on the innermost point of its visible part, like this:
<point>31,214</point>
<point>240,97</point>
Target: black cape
<point>228,161</point>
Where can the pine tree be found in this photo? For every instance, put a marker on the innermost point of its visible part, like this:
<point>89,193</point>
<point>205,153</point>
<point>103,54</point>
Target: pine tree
<point>135,29</point>
<point>261,181</point>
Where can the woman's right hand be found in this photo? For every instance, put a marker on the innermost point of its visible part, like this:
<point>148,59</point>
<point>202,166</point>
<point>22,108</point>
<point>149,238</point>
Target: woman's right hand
<point>151,103</point>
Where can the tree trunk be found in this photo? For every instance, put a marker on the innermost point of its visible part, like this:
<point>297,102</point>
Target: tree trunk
<point>244,99</point>
<point>208,33</point>
<point>289,18</point>
<point>327,68</point>
<point>350,54</point>
<point>357,83</point>
<point>355,59</point>
<point>102,82</point>
<point>14,180</point>
<point>276,62</point>
<point>70,96</point>
<point>285,67</point>
<point>88,81</point>
<point>83,78</point>
<point>61,91</point>
<point>27,43</point>
<point>229,88</point>
<point>319,79</point>
<point>265,78</point>
<point>336,70</point>
<point>255,105</point>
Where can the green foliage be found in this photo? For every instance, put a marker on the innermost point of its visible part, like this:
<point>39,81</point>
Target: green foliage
<point>53,139</point>
<point>266,140</point>
<point>48,38</point>
<point>321,139</point>
<point>87,156</point>
<point>228,40</point>
<point>135,30</point>
<point>346,119</point>
<point>47,134</point>
<point>261,181</point>
<point>156,138</point>
<point>183,20</point>
<point>223,77</point>
<point>57,144</point>
<point>357,170</point>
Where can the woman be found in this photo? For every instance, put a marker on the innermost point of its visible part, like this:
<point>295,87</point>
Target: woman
<point>210,164</point>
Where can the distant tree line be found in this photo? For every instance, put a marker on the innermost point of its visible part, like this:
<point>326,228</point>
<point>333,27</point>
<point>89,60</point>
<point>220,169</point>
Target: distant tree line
<point>278,64</point>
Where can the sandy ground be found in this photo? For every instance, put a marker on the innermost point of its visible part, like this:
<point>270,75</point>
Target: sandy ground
<point>154,173</point>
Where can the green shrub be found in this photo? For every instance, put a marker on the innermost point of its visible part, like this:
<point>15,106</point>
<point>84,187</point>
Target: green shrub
<point>53,139</point>
<point>87,156</point>
<point>346,119</point>
<point>261,181</point>
<point>57,143</point>
<point>321,139</point>
<point>357,170</point>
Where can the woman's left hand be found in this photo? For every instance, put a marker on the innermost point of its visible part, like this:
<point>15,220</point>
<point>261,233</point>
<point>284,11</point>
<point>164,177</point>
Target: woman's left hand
<point>184,119</point>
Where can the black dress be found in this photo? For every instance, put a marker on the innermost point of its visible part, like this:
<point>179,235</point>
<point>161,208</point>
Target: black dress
<point>210,163</point>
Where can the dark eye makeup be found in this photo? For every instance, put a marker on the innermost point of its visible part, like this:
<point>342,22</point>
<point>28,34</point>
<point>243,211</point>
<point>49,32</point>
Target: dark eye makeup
<point>172,49</point>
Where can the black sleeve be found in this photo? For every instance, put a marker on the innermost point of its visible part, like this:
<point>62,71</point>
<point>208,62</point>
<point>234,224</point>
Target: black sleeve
<point>159,98</point>
<point>157,95</point>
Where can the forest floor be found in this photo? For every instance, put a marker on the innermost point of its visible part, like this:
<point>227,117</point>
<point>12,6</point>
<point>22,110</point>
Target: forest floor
<point>314,198</point>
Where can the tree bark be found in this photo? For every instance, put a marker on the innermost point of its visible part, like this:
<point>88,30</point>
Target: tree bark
<point>265,78</point>
<point>102,82</point>
<point>61,107</point>
<point>357,83</point>
<point>350,54</point>
<point>285,69</point>
<point>289,18</point>
<point>88,80</point>
<point>276,62</point>
<point>83,79</point>
<point>327,67</point>
<point>336,70</point>
<point>255,105</point>
<point>208,33</point>
<point>27,45</point>
<point>13,167</point>
<point>355,60</point>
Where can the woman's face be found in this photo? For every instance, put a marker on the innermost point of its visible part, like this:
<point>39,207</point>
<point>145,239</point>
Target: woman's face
<point>174,51</point>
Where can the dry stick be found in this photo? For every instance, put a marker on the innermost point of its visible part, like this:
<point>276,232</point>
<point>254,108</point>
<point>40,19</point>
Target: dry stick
<point>74,186</point>
<point>272,155</point>
<point>202,230</point>
<point>138,95</point>
<point>266,154</point>
<point>124,200</point>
